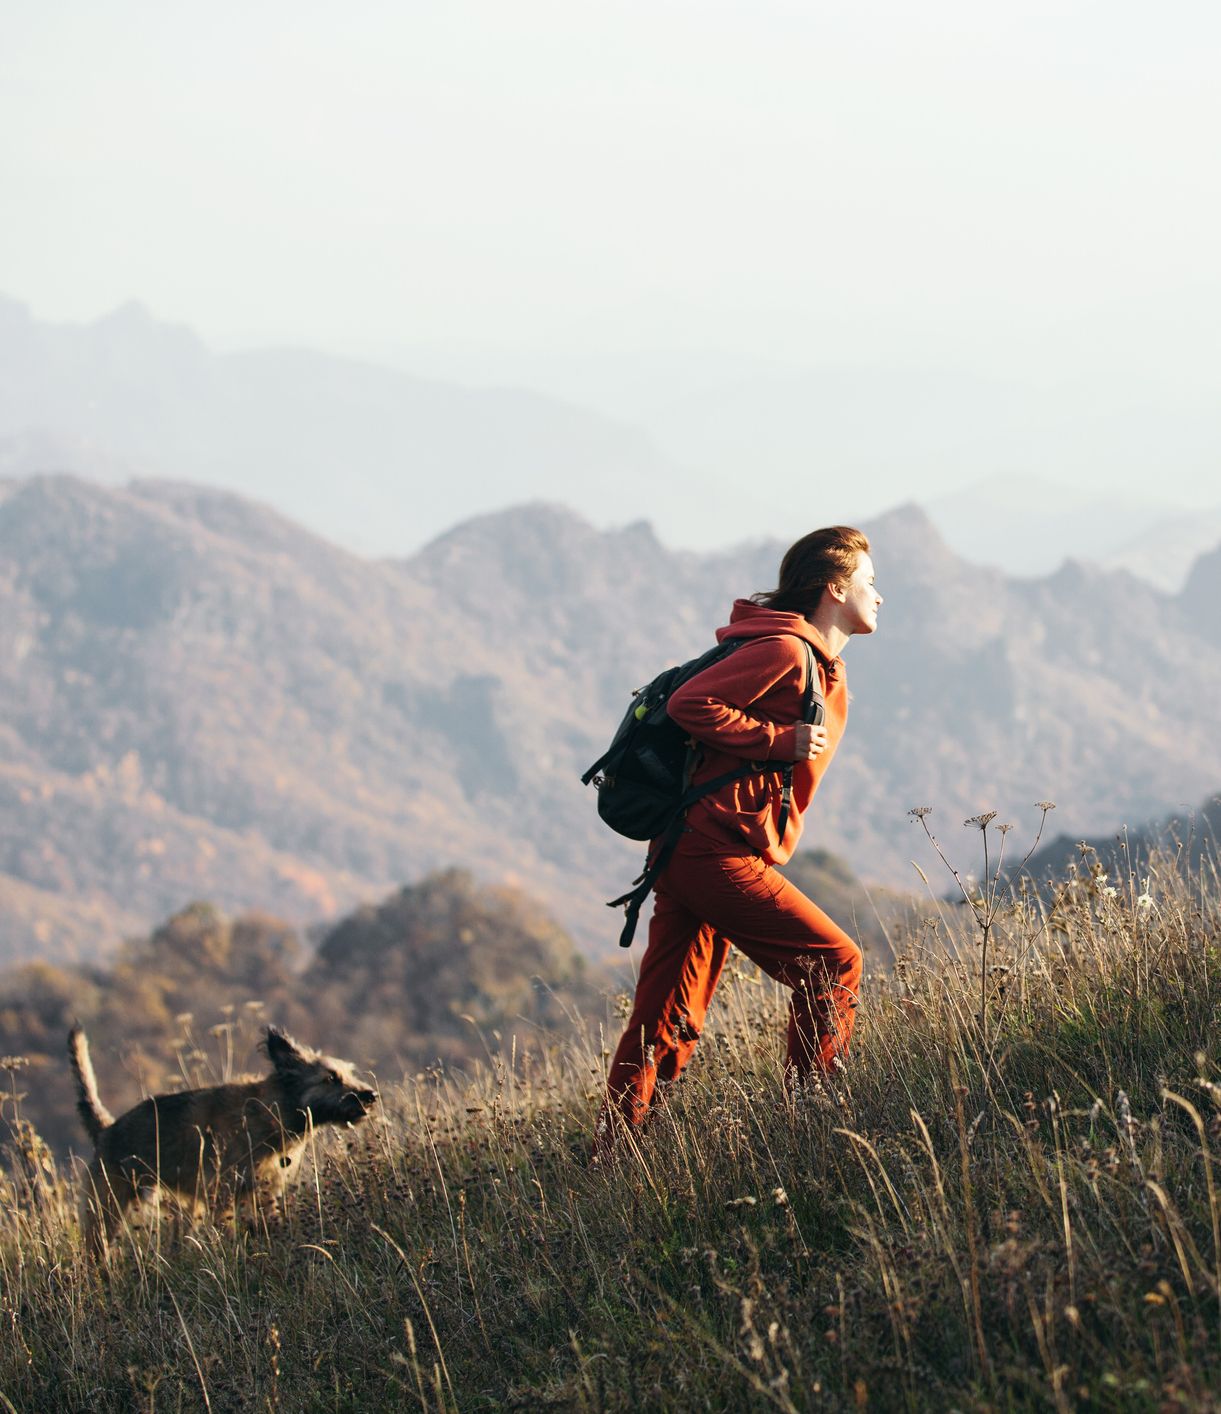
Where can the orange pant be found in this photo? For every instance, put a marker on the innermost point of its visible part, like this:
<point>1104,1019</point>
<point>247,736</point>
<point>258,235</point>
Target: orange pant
<point>706,899</point>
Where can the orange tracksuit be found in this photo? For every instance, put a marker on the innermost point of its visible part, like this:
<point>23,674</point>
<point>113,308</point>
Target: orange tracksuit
<point>720,885</point>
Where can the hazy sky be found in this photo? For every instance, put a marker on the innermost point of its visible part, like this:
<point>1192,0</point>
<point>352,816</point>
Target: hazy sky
<point>1023,191</point>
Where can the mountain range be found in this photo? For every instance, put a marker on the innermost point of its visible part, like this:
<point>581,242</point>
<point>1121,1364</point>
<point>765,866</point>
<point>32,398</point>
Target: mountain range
<point>381,460</point>
<point>373,458</point>
<point>201,699</point>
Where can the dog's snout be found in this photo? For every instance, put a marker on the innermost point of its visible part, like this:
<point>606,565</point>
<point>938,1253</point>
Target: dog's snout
<point>358,1103</point>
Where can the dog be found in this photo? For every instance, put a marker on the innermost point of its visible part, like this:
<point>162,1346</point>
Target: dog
<point>222,1146</point>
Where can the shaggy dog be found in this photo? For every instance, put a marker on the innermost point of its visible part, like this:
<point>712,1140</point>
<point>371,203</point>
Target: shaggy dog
<point>222,1146</point>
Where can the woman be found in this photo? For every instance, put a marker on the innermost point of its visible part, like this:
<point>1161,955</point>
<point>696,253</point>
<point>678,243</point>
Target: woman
<point>721,885</point>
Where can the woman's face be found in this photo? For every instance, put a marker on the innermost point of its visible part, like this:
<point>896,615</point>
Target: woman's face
<point>861,599</point>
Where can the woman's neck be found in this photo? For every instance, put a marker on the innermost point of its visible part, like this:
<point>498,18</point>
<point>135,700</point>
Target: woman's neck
<point>826,620</point>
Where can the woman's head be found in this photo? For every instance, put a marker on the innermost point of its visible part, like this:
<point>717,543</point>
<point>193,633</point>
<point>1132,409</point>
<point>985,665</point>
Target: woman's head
<point>824,557</point>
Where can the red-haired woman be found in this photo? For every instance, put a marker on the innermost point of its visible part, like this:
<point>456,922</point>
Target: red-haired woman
<point>721,886</point>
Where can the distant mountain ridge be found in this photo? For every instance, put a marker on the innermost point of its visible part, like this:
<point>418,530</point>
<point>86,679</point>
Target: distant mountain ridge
<point>377,459</point>
<point>200,699</point>
<point>1029,526</point>
<point>369,456</point>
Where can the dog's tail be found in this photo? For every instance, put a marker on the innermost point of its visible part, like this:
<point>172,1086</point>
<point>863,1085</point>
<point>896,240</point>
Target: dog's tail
<point>94,1115</point>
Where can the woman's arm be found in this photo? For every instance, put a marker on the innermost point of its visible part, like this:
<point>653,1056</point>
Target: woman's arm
<point>714,706</point>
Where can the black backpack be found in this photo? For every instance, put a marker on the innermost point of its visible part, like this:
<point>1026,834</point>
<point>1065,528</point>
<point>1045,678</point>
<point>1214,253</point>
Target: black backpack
<point>643,778</point>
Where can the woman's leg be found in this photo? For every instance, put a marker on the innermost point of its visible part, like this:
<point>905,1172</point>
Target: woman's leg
<point>787,935</point>
<point>678,975</point>
<point>706,898</point>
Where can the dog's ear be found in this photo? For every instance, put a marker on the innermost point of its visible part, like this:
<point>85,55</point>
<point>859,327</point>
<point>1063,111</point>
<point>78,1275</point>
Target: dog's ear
<point>282,1050</point>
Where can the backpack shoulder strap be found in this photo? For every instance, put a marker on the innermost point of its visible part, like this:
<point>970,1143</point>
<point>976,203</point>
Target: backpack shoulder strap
<point>813,710</point>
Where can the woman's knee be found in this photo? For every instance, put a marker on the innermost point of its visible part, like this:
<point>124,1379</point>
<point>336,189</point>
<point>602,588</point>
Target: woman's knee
<point>838,967</point>
<point>854,962</point>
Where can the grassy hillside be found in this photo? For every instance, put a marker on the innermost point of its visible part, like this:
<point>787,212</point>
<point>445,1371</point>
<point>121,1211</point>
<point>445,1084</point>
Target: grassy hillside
<point>1018,1212</point>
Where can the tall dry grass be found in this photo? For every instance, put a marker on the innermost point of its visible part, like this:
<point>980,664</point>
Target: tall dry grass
<point>1015,1210</point>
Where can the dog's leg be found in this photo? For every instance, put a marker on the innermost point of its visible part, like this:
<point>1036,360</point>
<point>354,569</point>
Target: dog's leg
<point>106,1200</point>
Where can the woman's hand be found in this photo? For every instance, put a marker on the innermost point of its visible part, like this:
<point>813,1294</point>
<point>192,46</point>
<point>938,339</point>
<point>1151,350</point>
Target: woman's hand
<point>809,742</point>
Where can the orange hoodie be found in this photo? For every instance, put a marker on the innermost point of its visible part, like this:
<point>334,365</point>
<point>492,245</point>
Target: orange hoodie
<point>746,707</point>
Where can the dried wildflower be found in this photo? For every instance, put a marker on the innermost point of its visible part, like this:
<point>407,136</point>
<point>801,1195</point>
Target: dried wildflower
<point>746,1201</point>
<point>12,1063</point>
<point>920,811</point>
<point>981,822</point>
<point>1045,805</point>
<point>1127,1127</point>
<point>780,1197</point>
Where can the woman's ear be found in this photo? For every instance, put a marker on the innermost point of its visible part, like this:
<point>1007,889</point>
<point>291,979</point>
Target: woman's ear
<point>838,592</point>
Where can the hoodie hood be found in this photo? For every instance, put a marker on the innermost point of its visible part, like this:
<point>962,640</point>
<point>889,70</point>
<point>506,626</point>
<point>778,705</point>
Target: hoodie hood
<point>751,620</point>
